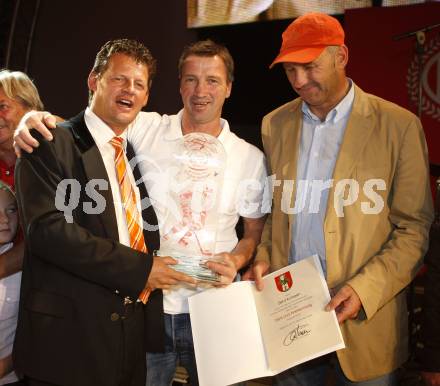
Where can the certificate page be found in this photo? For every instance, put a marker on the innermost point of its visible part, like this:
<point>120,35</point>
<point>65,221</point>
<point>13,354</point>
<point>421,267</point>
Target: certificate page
<point>227,340</point>
<point>294,326</point>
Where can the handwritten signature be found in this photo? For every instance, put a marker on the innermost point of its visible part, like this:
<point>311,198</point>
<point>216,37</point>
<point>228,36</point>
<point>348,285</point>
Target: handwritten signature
<point>297,332</point>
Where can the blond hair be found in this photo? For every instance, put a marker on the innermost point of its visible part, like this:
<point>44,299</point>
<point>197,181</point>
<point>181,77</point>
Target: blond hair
<point>18,86</point>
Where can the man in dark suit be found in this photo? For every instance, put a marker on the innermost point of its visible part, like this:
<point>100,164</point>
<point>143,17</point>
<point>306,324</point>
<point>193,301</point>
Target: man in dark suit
<point>79,322</point>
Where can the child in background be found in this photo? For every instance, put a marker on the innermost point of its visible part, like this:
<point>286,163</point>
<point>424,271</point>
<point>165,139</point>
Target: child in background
<point>9,286</point>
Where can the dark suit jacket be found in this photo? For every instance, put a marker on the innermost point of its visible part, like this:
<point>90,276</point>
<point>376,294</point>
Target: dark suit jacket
<point>76,274</point>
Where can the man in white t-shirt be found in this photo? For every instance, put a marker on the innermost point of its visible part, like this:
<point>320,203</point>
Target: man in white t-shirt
<point>206,75</point>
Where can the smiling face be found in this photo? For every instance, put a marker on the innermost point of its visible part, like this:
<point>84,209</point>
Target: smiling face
<point>321,83</point>
<point>120,92</point>
<point>11,112</point>
<point>8,216</point>
<point>204,87</point>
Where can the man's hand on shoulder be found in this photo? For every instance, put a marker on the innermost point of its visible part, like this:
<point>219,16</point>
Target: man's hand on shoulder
<point>42,121</point>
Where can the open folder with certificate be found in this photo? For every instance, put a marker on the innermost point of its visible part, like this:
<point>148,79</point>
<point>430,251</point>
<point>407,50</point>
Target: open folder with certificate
<point>240,333</point>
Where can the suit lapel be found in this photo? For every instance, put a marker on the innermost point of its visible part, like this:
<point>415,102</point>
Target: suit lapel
<point>290,143</point>
<point>290,139</point>
<point>95,170</point>
<point>359,128</point>
<point>151,237</point>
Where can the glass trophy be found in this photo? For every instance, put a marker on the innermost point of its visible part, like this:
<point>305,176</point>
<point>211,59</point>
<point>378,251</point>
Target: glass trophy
<point>189,230</point>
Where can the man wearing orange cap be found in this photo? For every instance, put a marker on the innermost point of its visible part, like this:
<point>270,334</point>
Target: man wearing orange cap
<point>361,202</point>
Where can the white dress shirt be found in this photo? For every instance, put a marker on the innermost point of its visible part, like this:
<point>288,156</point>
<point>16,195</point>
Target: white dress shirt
<point>319,149</point>
<point>102,134</point>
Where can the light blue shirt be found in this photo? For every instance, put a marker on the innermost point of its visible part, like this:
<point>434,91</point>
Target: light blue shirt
<point>318,151</point>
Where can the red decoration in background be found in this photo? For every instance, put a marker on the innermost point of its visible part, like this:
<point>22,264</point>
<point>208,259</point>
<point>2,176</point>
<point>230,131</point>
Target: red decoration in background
<point>388,68</point>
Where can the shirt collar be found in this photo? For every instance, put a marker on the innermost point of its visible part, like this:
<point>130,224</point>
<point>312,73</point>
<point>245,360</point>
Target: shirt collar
<point>340,111</point>
<point>175,128</point>
<point>100,131</point>
<point>6,247</point>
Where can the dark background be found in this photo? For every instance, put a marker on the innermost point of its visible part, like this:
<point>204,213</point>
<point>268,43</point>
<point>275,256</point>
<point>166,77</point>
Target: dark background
<point>55,42</point>
<point>67,35</point>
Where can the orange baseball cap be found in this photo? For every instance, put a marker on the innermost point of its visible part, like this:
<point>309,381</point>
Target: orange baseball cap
<point>307,36</point>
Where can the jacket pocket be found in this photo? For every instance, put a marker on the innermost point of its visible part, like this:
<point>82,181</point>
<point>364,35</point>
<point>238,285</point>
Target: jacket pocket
<point>48,303</point>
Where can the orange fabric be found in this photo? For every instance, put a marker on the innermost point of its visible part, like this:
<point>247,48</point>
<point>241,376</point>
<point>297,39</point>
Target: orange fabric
<point>128,198</point>
<point>307,36</point>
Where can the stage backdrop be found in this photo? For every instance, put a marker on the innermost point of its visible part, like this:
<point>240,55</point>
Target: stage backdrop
<point>389,68</point>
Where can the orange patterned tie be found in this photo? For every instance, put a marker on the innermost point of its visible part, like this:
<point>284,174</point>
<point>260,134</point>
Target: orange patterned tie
<point>128,198</point>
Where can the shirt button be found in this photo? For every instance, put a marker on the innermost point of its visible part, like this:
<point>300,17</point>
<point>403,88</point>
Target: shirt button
<point>114,317</point>
<point>7,172</point>
<point>315,154</point>
<point>8,299</point>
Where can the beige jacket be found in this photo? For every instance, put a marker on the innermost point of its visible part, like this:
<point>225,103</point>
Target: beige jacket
<point>376,253</point>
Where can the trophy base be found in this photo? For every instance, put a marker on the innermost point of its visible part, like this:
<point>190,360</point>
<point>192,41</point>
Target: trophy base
<point>196,268</point>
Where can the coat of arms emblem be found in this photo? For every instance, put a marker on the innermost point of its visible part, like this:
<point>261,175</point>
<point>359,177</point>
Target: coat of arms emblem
<point>284,281</point>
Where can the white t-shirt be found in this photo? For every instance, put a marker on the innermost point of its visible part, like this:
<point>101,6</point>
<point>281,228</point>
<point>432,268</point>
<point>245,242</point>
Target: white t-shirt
<point>152,137</point>
<point>9,299</point>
